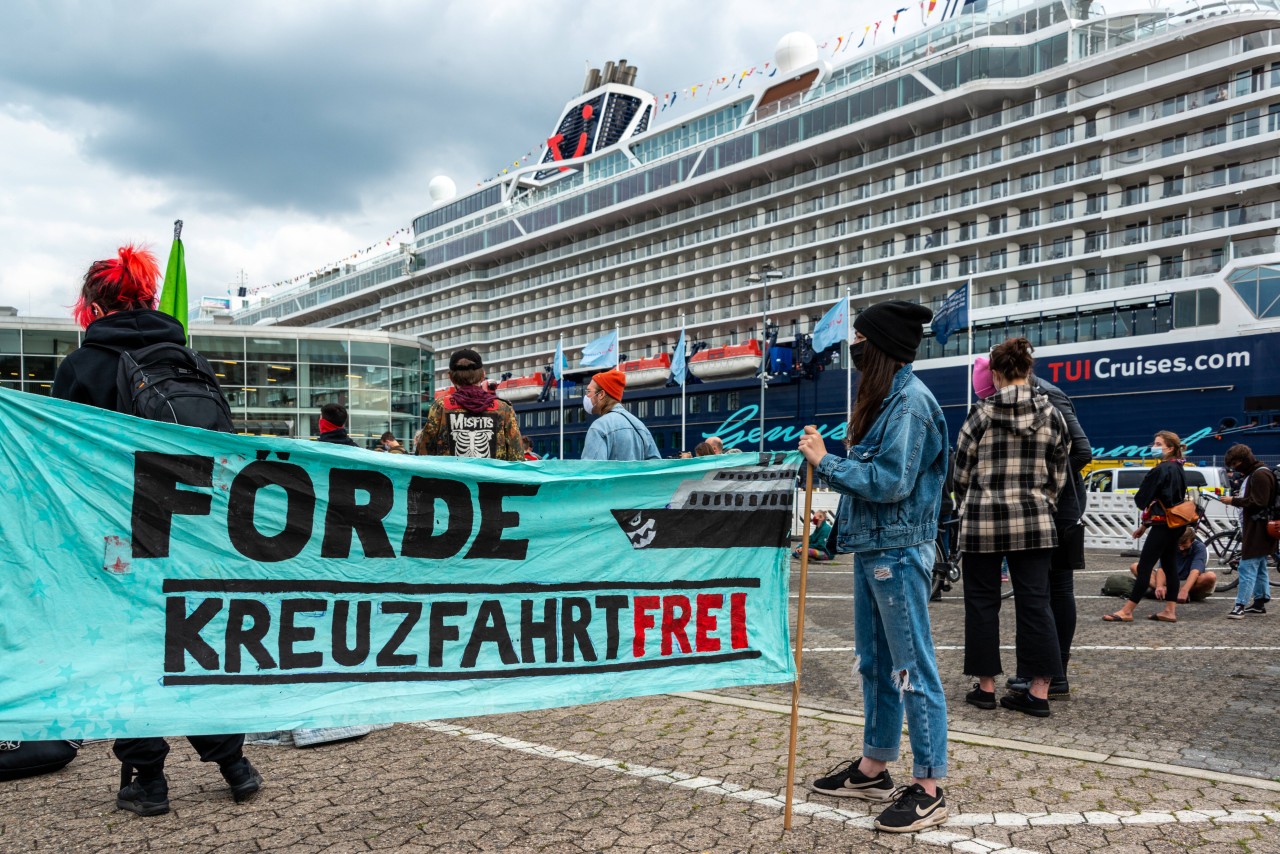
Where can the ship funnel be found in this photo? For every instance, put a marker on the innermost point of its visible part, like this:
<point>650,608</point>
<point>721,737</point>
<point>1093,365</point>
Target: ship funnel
<point>593,80</point>
<point>628,77</point>
<point>608,71</point>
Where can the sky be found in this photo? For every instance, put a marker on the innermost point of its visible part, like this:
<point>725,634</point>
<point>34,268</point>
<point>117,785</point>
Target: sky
<point>289,135</point>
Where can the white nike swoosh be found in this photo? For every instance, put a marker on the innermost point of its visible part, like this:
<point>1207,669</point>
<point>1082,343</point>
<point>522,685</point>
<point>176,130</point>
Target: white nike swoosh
<point>933,807</point>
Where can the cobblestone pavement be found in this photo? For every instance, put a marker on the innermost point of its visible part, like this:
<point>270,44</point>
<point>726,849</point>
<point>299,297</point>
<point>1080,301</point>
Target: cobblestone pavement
<point>707,772</point>
<point>1202,693</point>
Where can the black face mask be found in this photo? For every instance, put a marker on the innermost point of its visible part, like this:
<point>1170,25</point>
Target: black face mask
<point>855,354</point>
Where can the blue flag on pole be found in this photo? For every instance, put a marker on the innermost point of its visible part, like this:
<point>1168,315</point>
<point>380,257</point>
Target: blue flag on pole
<point>679,367</point>
<point>602,352</point>
<point>833,327</point>
<point>953,315</point>
<point>139,555</point>
<point>558,364</point>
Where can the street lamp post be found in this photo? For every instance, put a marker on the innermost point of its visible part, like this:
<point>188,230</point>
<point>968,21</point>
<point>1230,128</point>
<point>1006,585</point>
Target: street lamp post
<point>767,274</point>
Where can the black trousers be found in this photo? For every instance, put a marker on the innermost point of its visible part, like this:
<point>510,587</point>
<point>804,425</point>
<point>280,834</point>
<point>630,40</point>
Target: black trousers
<point>1067,557</point>
<point>1037,636</point>
<point>147,754</point>
<point>1161,546</point>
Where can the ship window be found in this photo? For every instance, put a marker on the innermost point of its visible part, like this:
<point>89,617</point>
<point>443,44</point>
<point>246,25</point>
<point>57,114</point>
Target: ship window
<point>642,409</point>
<point>732,401</point>
<point>659,408</point>
<point>713,403</point>
<point>695,404</point>
<point>1172,187</point>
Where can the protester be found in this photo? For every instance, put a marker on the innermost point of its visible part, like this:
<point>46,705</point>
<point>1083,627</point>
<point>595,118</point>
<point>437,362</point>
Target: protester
<point>616,434</point>
<point>705,449</point>
<point>716,443</point>
<point>116,308</point>
<point>1163,487</point>
<point>527,444</point>
<point>1068,554</point>
<point>388,444</point>
<point>891,485</point>
<point>818,539</point>
<point>333,425</point>
<point>469,420</point>
<point>1011,463</point>
<point>1257,495</point>
<point>1195,581</point>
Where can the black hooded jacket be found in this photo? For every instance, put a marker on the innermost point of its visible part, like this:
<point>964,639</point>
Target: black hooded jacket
<point>89,374</point>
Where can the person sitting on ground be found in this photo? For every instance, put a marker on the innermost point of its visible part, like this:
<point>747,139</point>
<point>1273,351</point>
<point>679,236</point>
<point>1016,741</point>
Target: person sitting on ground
<point>1195,582</point>
<point>333,425</point>
<point>818,539</point>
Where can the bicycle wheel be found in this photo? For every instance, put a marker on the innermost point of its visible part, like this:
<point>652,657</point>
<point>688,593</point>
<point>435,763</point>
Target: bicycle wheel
<point>1224,547</point>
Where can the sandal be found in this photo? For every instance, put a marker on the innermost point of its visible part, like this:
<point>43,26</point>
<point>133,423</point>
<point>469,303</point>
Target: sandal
<point>1161,618</point>
<point>1117,617</point>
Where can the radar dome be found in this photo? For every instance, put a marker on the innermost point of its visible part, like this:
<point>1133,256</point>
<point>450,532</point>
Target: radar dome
<point>441,189</point>
<point>795,50</point>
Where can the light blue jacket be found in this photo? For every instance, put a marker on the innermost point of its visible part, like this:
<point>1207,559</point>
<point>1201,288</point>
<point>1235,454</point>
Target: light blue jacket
<point>891,482</point>
<point>619,436</point>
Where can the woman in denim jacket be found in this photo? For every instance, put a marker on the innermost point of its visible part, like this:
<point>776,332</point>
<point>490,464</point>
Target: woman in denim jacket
<point>891,489</point>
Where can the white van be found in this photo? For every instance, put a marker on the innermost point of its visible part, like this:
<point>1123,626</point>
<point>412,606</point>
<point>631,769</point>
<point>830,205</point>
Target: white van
<point>1127,479</point>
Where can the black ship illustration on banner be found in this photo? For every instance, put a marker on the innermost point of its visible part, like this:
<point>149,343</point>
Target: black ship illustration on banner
<point>747,507</point>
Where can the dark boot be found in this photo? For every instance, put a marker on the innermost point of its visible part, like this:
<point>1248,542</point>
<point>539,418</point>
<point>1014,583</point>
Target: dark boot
<point>242,777</point>
<point>147,795</point>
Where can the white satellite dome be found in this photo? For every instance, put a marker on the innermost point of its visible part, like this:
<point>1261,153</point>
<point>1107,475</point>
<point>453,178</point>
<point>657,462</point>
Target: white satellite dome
<point>442,189</point>
<point>795,50</point>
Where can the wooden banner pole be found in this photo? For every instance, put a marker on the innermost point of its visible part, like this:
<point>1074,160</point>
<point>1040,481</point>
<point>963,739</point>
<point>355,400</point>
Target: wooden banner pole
<point>795,688</point>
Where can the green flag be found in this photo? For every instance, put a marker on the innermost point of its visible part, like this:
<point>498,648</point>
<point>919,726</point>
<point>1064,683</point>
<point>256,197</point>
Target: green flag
<point>173,296</point>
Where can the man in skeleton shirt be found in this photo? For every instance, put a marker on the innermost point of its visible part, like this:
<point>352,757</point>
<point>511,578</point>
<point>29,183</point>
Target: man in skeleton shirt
<point>469,420</point>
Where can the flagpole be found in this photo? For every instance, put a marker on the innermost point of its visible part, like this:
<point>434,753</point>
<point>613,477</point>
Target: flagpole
<point>617,352</point>
<point>559,369</point>
<point>968,312</point>
<point>848,343</point>
<point>795,687</point>
<point>683,376</point>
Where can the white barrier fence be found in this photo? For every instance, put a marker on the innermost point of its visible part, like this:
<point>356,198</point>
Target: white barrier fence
<point>1108,522</point>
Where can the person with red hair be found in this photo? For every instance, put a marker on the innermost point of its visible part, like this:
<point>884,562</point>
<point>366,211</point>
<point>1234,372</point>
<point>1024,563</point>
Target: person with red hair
<point>117,309</point>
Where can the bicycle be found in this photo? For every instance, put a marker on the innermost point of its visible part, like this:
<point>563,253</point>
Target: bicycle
<point>946,562</point>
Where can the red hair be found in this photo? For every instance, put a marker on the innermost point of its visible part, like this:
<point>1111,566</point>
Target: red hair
<point>125,282</point>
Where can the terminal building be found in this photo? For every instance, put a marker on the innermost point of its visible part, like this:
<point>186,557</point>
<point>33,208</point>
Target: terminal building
<point>275,378</point>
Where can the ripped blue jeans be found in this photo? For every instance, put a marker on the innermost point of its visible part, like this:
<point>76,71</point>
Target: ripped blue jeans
<point>895,657</point>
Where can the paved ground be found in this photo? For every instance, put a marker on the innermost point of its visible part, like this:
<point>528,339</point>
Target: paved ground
<point>706,772</point>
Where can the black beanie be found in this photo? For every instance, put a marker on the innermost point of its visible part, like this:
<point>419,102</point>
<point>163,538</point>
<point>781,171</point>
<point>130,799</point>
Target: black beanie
<point>894,327</point>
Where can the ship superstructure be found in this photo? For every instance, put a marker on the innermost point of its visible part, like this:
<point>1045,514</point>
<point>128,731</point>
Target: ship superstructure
<point>1091,176</point>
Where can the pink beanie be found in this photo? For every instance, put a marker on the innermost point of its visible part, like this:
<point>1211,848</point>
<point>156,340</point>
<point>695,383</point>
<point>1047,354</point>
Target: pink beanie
<point>983,386</point>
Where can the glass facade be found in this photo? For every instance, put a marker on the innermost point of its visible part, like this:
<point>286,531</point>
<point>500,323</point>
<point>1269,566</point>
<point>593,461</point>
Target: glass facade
<point>276,379</point>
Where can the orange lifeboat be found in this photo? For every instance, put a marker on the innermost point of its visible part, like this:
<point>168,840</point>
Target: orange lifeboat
<point>731,360</point>
<point>645,372</point>
<point>519,389</point>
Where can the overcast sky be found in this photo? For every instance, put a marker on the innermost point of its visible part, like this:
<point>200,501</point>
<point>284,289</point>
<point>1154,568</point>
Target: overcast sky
<point>291,134</point>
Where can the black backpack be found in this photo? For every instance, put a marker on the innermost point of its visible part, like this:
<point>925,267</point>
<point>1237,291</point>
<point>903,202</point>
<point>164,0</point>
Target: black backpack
<point>172,383</point>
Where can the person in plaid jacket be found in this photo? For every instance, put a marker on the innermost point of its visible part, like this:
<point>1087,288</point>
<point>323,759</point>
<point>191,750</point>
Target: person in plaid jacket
<point>1011,463</point>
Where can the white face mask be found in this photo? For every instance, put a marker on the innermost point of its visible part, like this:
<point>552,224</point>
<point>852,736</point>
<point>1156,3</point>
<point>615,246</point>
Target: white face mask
<point>1157,450</point>
<point>586,404</point>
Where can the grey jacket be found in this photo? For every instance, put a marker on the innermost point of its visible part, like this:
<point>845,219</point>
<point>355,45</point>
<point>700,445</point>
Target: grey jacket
<point>1072,499</point>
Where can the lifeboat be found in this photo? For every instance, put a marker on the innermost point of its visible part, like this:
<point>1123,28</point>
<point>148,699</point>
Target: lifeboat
<point>644,372</point>
<point>521,388</point>
<point>731,360</point>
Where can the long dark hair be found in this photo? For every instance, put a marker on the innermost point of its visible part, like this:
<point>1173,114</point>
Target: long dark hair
<point>878,370</point>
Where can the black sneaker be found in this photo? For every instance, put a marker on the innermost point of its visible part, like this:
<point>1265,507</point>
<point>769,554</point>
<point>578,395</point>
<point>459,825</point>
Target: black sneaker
<point>145,798</point>
<point>1059,687</point>
<point>846,781</point>
<point>1237,612</point>
<point>913,809</point>
<point>243,778</point>
<point>1026,704</point>
<point>981,699</point>
<point>1259,606</point>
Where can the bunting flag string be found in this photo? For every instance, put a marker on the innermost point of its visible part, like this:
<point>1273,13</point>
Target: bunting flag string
<point>387,242</point>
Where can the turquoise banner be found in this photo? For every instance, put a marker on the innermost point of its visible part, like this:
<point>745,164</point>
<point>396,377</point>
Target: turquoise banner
<point>163,580</point>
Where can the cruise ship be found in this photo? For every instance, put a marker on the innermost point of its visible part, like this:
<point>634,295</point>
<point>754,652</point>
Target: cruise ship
<point>1104,183</point>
